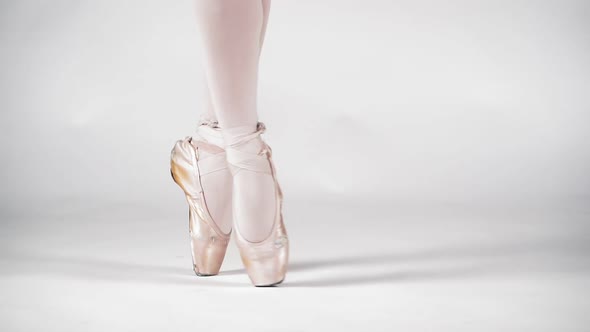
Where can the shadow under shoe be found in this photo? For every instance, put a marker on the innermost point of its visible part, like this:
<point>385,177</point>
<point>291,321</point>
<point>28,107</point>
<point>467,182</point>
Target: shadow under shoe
<point>208,242</point>
<point>265,261</point>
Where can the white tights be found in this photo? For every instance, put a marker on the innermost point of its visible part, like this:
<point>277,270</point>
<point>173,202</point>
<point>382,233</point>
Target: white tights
<point>232,33</point>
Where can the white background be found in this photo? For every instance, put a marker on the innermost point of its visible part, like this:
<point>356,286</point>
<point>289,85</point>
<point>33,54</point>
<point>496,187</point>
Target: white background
<point>395,126</point>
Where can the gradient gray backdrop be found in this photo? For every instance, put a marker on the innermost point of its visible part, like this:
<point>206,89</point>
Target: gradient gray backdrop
<point>428,136</point>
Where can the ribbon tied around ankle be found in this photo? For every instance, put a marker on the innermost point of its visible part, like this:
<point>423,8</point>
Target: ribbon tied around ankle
<point>238,159</point>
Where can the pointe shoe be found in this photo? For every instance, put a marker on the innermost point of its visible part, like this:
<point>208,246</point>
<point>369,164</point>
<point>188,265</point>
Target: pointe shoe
<point>188,167</point>
<point>265,261</point>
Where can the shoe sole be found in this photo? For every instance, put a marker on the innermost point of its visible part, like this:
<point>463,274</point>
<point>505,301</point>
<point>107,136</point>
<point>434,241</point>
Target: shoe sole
<point>271,285</point>
<point>204,275</point>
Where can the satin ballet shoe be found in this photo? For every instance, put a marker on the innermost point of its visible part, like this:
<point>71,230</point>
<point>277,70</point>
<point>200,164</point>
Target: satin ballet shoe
<point>189,168</point>
<point>266,260</point>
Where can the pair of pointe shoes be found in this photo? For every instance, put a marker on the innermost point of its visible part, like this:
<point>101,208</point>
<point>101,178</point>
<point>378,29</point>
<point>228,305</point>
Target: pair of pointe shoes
<point>265,261</point>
